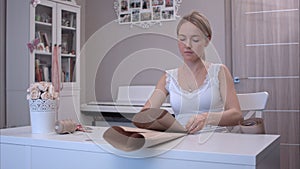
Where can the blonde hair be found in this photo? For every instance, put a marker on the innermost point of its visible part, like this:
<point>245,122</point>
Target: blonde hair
<point>199,20</point>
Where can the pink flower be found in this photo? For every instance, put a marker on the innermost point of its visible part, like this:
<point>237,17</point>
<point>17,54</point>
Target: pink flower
<point>35,94</point>
<point>43,86</point>
<point>46,96</point>
<point>42,90</point>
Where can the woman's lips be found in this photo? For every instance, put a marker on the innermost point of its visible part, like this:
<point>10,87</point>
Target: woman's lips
<point>188,52</point>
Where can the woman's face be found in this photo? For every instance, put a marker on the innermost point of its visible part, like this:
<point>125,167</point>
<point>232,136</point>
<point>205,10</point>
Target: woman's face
<point>191,41</point>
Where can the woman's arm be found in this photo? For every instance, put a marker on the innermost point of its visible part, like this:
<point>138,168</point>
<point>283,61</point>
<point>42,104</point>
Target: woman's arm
<point>232,112</point>
<point>159,95</point>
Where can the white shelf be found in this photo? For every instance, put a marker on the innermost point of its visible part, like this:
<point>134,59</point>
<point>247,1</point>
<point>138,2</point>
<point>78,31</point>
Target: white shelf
<point>68,55</point>
<point>68,28</point>
<point>38,52</point>
<point>43,23</point>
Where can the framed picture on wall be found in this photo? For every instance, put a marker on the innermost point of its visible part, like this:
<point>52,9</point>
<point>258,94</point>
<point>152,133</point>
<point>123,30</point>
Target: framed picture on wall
<point>145,13</point>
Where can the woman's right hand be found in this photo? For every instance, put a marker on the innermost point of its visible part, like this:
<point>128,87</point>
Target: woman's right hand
<point>196,123</point>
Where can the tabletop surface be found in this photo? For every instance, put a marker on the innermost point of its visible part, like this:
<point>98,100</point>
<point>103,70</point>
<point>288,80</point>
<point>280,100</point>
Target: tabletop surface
<point>208,146</point>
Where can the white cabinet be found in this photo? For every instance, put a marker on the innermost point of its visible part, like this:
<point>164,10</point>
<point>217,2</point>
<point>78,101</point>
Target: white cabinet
<point>25,150</point>
<point>15,156</point>
<point>53,22</point>
<point>57,23</point>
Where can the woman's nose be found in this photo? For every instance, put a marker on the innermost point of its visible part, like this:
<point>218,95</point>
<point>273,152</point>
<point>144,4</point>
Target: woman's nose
<point>188,44</point>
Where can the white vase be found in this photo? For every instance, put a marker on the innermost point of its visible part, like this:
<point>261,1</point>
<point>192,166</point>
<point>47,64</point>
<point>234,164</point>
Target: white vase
<point>42,115</point>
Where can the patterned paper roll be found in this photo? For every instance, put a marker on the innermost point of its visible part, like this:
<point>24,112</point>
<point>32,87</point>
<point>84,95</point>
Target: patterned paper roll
<point>252,126</point>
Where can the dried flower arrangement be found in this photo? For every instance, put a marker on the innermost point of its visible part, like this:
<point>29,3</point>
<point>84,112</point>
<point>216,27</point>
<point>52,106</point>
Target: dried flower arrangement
<point>42,90</point>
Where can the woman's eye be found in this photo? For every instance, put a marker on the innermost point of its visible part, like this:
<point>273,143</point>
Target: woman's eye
<point>196,40</point>
<point>181,38</point>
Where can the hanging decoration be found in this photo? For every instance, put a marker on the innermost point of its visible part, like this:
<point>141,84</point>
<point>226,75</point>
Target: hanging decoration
<point>33,45</point>
<point>56,80</point>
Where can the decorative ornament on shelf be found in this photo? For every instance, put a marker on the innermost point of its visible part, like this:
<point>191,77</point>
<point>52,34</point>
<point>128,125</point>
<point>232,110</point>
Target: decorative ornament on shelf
<point>33,45</point>
<point>34,3</point>
<point>146,13</point>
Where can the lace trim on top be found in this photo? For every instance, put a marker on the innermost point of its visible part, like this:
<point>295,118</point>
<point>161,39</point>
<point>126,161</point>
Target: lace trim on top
<point>211,76</point>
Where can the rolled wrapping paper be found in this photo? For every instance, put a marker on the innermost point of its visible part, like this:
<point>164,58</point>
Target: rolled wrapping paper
<point>65,126</point>
<point>252,126</point>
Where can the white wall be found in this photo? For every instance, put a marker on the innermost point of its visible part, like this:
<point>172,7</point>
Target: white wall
<point>97,77</point>
<point>110,45</point>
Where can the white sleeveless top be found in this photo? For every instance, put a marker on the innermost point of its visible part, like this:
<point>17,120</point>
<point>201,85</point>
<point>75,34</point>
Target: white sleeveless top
<point>207,98</point>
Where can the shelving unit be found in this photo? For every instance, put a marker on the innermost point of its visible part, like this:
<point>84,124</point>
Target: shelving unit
<point>22,25</point>
<point>57,23</point>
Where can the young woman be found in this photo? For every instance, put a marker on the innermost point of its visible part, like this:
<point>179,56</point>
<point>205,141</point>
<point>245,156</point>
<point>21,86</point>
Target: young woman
<point>202,91</point>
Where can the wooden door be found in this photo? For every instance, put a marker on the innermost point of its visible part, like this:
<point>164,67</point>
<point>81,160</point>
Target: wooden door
<point>265,57</point>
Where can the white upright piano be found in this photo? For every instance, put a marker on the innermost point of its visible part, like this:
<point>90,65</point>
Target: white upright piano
<point>130,100</point>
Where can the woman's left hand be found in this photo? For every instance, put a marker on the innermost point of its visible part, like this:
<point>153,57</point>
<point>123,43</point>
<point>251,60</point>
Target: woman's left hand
<point>196,123</point>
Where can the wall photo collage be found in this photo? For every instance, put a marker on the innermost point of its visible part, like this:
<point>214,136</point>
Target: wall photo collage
<point>146,11</point>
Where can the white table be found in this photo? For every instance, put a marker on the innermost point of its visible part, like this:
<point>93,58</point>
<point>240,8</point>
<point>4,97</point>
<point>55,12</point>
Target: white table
<point>22,150</point>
